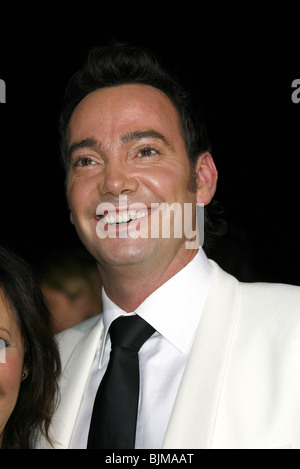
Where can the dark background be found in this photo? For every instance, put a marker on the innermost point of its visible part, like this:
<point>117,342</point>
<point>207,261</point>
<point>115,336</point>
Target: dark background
<point>239,64</point>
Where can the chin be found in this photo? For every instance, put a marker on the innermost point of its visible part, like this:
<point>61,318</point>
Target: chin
<point>124,252</point>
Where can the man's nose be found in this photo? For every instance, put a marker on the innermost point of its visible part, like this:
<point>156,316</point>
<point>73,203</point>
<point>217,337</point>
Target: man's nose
<point>118,179</point>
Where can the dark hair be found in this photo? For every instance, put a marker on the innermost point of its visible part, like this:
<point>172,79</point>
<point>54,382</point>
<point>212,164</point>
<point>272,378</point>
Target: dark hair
<point>119,64</point>
<point>36,400</point>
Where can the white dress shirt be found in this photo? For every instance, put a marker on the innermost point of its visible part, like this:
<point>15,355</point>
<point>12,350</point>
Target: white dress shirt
<point>174,310</point>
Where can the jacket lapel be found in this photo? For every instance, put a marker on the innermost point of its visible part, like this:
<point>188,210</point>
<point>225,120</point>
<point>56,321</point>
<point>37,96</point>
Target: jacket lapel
<point>72,385</point>
<point>194,413</point>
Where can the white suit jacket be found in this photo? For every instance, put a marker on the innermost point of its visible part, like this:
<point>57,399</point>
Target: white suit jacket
<point>241,385</point>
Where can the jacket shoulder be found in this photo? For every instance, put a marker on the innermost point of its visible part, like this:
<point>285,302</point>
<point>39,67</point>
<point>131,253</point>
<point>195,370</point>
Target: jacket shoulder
<point>261,302</point>
<point>270,311</point>
<point>271,296</point>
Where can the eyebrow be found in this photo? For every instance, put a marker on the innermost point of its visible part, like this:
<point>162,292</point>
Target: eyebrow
<point>85,143</point>
<point>140,134</point>
<point>92,142</point>
<point>5,330</point>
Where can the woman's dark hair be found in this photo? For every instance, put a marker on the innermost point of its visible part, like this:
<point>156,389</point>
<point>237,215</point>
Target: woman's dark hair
<point>36,400</point>
<point>120,63</point>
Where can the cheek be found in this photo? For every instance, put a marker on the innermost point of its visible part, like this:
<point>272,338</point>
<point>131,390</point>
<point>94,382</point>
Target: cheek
<point>168,183</point>
<point>79,196</point>
<point>10,373</point>
<point>73,194</point>
<point>10,381</point>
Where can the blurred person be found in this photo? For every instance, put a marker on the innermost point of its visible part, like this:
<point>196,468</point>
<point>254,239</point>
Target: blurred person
<point>71,285</point>
<point>221,368</point>
<point>29,359</point>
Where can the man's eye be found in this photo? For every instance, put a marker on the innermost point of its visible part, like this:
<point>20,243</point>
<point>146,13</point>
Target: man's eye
<point>84,161</point>
<point>146,152</point>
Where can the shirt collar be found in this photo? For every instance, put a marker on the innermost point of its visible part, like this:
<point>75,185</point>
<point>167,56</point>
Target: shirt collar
<point>175,308</point>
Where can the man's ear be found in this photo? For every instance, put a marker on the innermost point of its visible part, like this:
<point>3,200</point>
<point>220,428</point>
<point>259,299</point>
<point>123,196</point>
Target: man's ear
<point>207,176</point>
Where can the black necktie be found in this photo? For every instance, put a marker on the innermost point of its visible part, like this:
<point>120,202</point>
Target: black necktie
<point>113,423</point>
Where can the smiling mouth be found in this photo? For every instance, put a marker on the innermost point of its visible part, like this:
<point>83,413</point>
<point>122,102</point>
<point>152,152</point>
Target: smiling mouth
<point>118,218</point>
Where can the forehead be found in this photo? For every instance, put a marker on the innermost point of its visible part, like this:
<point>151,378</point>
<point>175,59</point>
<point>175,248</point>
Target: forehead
<point>113,110</point>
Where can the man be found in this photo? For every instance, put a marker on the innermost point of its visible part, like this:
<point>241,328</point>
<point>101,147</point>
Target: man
<point>222,369</point>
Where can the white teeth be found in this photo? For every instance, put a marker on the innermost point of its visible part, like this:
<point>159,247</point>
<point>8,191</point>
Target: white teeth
<point>124,217</point>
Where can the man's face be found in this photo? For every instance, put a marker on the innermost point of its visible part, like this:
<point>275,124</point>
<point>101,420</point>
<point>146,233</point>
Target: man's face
<point>126,141</point>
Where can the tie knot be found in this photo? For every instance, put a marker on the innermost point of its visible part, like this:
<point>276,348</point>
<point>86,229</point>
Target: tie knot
<point>130,332</point>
